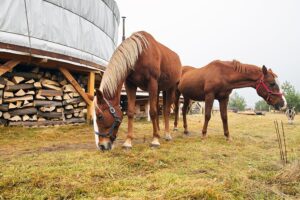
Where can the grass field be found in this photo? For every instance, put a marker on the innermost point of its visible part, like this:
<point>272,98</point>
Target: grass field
<point>63,163</point>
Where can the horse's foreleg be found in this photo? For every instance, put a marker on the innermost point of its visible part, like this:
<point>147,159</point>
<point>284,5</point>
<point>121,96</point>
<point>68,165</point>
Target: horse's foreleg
<point>209,100</point>
<point>223,111</point>
<point>186,104</point>
<point>169,99</point>
<point>158,109</point>
<point>153,88</point>
<point>176,109</point>
<point>131,95</point>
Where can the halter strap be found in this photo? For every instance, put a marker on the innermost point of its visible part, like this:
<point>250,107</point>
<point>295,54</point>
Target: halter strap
<point>117,120</point>
<point>261,83</point>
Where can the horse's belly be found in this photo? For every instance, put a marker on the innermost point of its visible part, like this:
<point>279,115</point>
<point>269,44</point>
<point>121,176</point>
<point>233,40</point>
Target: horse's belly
<point>194,92</point>
<point>165,81</point>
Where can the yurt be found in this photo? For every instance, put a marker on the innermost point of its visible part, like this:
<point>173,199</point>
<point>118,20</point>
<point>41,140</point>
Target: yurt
<point>50,52</point>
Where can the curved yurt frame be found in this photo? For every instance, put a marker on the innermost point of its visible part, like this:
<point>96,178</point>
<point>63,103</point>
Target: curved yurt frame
<point>67,35</point>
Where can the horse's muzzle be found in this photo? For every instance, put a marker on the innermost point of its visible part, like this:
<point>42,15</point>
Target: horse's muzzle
<point>105,146</point>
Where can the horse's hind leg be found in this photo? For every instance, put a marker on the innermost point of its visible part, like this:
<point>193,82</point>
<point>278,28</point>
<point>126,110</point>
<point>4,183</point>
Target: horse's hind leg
<point>169,98</point>
<point>186,104</point>
<point>176,109</point>
<point>209,100</point>
<point>131,95</point>
<point>153,88</point>
<point>223,111</point>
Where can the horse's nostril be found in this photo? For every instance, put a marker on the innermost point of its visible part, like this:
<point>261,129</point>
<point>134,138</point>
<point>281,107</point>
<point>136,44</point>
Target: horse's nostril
<point>102,147</point>
<point>105,147</point>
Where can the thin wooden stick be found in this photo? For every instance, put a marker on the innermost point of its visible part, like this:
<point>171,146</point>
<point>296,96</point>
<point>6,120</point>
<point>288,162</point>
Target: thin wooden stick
<point>286,160</point>
<point>279,140</point>
<point>281,145</point>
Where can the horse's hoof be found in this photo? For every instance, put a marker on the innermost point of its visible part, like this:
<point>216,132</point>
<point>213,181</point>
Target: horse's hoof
<point>204,137</point>
<point>228,139</point>
<point>127,145</point>
<point>187,133</point>
<point>175,129</point>
<point>168,137</point>
<point>155,143</point>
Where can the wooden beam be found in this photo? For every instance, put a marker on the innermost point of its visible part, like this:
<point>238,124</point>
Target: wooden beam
<point>71,79</point>
<point>9,65</point>
<point>91,89</point>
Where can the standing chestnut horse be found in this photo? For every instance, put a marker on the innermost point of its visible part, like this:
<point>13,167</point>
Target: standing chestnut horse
<point>216,81</point>
<point>139,61</point>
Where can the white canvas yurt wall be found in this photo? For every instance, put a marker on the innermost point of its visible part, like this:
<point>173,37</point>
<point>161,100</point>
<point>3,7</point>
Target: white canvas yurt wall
<point>83,29</point>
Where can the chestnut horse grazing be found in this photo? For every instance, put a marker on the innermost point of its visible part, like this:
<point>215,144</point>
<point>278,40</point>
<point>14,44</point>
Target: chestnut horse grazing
<point>139,61</point>
<point>216,81</point>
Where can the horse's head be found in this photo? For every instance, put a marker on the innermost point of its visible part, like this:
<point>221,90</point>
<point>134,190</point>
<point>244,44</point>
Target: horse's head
<point>107,119</point>
<point>268,88</point>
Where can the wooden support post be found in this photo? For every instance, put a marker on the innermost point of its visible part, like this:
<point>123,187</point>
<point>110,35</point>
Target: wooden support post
<point>91,88</point>
<point>71,79</point>
<point>9,65</point>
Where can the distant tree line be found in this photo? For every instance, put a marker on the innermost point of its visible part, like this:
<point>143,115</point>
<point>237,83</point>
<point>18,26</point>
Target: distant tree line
<point>237,102</point>
<point>292,96</point>
<point>262,105</point>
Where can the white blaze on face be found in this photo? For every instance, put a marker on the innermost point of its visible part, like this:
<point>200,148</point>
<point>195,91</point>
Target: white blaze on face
<point>96,128</point>
<point>284,100</point>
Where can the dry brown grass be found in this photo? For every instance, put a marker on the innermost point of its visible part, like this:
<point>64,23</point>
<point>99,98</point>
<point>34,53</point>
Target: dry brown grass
<point>62,163</point>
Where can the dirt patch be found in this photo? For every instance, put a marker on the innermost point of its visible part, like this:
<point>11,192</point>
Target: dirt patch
<point>51,148</point>
<point>65,147</point>
<point>58,148</point>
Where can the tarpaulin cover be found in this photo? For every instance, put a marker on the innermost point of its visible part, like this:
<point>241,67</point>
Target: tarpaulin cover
<point>84,29</point>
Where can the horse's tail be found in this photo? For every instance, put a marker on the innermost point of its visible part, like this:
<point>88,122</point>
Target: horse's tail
<point>122,62</point>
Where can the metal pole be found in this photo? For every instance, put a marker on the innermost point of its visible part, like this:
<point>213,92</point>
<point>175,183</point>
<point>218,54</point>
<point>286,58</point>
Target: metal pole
<point>123,37</point>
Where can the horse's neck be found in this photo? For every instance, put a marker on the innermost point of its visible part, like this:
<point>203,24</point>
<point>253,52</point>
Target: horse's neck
<point>117,95</point>
<point>248,79</point>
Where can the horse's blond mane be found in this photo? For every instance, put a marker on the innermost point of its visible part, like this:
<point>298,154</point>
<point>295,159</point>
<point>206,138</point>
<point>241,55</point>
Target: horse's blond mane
<point>122,62</point>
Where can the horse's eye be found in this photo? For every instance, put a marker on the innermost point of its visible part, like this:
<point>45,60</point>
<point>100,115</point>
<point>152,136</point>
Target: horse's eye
<point>100,117</point>
<point>272,84</point>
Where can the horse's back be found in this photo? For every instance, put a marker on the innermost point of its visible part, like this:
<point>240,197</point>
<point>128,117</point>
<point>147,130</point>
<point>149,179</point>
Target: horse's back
<point>186,69</point>
<point>156,61</point>
<point>196,82</point>
<point>170,66</point>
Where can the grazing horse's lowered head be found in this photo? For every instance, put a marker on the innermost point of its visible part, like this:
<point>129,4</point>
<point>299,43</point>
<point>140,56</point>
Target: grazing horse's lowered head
<point>268,88</point>
<point>107,119</point>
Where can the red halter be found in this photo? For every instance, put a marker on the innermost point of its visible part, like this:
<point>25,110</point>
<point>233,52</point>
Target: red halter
<point>261,83</point>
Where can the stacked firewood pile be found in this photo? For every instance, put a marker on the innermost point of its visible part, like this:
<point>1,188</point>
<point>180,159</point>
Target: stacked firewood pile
<point>40,97</point>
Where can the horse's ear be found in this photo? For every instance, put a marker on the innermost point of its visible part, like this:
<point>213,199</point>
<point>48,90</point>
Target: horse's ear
<point>264,70</point>
<point>99,96</point>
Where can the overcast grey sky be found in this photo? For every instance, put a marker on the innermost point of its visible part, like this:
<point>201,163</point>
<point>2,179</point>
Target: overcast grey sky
<point>251,31</point>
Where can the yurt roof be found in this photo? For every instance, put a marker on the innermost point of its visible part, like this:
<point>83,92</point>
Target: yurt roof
<point>76,32</point>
